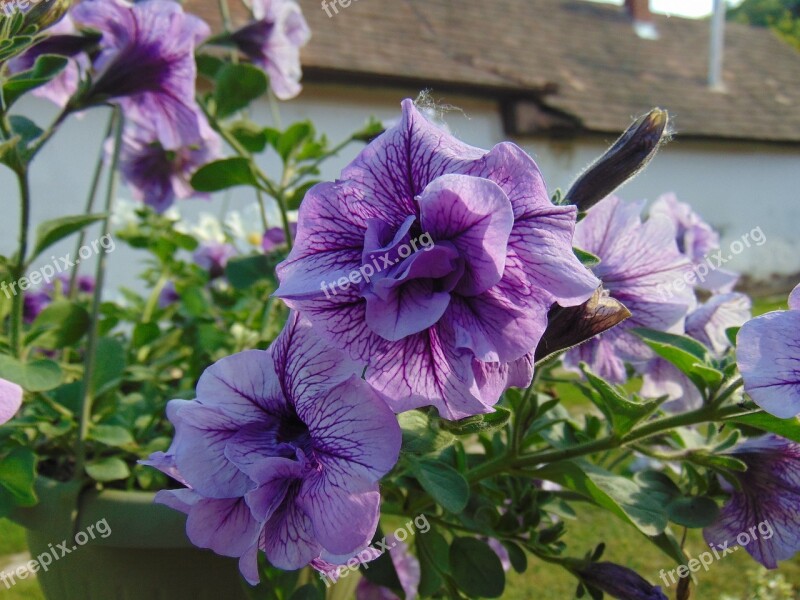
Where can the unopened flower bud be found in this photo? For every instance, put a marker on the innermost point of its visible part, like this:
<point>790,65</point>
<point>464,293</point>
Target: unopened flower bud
<point>573,325</point>
<point>625,158</point>
<point>47,13</point>
<point>618,582</point>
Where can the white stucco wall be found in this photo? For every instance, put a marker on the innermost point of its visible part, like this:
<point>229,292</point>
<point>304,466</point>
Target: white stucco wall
<point>736,186</point>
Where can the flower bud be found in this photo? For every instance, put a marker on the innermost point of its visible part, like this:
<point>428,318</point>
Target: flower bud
<point>624,159</point>
<point>618,582</point>
<point>573,325</point>
<point>47,13</point>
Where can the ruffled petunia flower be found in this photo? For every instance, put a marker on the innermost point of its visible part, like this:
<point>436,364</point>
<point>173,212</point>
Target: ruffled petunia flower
<point>408,572</point>
<point>636,260</point>
<point>10,400</point>
<point>707,324</point>
<point>697,240</point>
<point>762,516</point>
<point>159,175</point>
<point>768,355</point>
<point>435,264</point>
<point>273,42</point>
<point>146,64</point>
<point>281,451</point>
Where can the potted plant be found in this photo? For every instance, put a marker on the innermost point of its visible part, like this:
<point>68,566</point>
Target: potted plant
<point>364,398</point>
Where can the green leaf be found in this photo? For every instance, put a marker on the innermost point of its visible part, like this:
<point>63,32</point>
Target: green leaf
<point>111,435</point>
<point>249,135</point>
<point>731,333</point>
<point>434,560</point>
<point>372,129</point>
<point>17,476</point>
<point>422,434</point>
<point>517,556</point>
<point>293,138</point>
<point>208,66</point>
<point>587,258</point>
<point>622,413</point>
<point>479,423</point>
<point>243,273</point>
<point>223,174</point>
<point>445,485</point>
<point>59,325</point>
<point>788,428</point>
<point>108,469</point>
<point>694,513</point>
<point>619,495</point>
<point>109,366</point>
<point>144,333</point>
<point>50,232</point>
<point>45,69</point>
<point>35,376</point>
<point>296,197</point>
<point>683,352</point>
<point>237,86</point>
<point>476,568</point>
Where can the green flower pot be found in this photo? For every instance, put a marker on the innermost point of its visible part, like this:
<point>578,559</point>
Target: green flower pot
<point>144,556</point>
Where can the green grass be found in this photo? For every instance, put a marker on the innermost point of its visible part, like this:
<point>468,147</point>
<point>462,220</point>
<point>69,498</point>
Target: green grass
<point>12,541</point>
<point>732,575</point>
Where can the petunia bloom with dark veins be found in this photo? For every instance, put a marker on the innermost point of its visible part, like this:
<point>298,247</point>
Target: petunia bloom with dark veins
<point>768,355</point>
<point>159,175</point>
<point>146,64</point>
<point>435,264</point>
<point>637,261</point>
<point>281,451</point>
<point>763,515</point>
<point>273,42</point>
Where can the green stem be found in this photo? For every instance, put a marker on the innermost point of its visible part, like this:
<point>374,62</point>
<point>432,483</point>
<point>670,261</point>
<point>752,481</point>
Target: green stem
<point>91,345</point>
<point>152,301</point>
<point>98,173</point>
<point>19,270</point>
<point>650,429</point>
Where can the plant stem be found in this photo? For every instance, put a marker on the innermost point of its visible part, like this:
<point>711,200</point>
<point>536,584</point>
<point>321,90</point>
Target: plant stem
<point>98,172</point>
<point>650,429</point>
<point>91,346</point>
<point>152,301</point>
<point>19,271</point>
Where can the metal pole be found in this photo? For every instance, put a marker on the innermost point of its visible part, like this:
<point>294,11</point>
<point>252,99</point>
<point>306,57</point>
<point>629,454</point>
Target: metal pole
<point>717,46</point>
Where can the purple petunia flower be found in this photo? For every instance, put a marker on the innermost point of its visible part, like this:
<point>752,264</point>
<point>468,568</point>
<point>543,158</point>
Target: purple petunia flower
<point>275,237</point>
<point>763,515</point>
<point>636,260</point>
<point>213,257</point>
<point>146,64</point>
<point>61,39</point>
<point>696,239</point>
<point>157,174</point>
<point>768,355</point>
<point>273,41</point>
<point>707,324</point>
<point>619,582</point>
<point>408,572</point>
<point>10,400</point>
<point>282,451</point>
<point>435,263</point>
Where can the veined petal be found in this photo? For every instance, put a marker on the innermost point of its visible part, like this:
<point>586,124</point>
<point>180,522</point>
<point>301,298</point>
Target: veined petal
<point>768,355</point>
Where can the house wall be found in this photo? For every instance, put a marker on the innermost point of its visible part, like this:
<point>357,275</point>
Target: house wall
<point>736,186</point>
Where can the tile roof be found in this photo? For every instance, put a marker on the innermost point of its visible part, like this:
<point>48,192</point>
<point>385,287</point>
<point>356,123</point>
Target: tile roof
<point>573,58</point>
